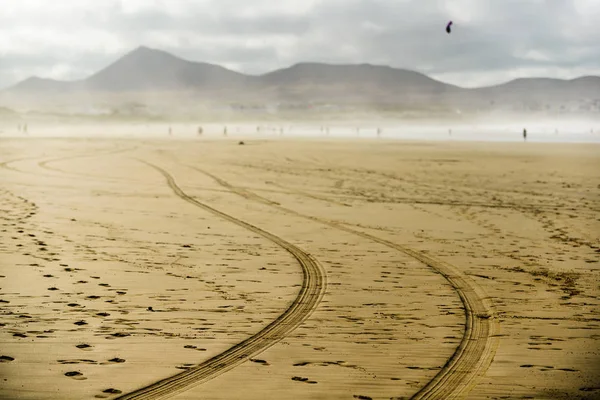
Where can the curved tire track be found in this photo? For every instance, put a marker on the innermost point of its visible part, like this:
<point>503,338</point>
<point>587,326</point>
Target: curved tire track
<point>311,292</point>
<point>42,164</point>
<point>477,348</point>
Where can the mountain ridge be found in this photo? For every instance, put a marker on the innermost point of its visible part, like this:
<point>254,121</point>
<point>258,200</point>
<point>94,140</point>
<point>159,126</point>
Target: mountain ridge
<point>145,72</point>
<point>149,56</point>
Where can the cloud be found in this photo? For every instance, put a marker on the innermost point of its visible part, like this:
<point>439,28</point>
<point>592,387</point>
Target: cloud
<point>492,40</point>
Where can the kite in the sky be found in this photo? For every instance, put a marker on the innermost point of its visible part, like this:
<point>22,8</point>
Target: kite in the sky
<point>448,27</point>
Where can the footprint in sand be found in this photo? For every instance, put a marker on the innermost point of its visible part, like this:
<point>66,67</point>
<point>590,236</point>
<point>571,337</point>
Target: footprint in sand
<point>120,334</point>
<point>191,346</point>
<point>256,360</point>
<point>589,389</point>
<point>4,359</point>
<point>108,391</point>
<point>75,375</point>
<point>84,346</point>
<point>305,380</point>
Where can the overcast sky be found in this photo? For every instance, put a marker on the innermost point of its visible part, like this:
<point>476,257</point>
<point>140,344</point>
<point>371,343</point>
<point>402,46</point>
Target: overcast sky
<point>493,40</point>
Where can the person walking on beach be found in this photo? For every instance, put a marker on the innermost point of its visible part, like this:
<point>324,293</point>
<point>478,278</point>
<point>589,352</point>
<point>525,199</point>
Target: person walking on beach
<point>524,135</point>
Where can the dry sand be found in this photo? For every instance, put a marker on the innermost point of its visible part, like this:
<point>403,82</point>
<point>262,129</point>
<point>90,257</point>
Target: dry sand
<point>401,269</point>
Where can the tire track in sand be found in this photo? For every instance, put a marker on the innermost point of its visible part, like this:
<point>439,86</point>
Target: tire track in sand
<point>6,164</point>
<point>311,292</point>
<point>477,348</point>
<point>45,165</point>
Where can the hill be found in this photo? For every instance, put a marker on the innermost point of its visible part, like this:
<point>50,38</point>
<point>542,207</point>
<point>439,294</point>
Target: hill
<point>145,73</point>
<point>145,69</point>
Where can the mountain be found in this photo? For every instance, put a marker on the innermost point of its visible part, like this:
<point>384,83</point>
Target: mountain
<point>579,87</point>
<point>541,94</point>
<point>383,77</point>
<point>365,82</point>
<point>141,70</point>
<point>36,86</point>
<point>145,72</point>
<point>146,69</point>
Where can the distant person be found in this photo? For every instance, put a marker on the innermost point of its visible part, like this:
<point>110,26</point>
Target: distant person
<point>378,132</point>
<point>524,134</point>
<point>225,131</point>
<point>200,131</point>
<point>170,131</point>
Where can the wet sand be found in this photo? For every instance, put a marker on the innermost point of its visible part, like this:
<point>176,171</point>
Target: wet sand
<point>318,269</point>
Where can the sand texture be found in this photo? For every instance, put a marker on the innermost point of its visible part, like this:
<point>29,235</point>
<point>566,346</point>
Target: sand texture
<point>298,269</point>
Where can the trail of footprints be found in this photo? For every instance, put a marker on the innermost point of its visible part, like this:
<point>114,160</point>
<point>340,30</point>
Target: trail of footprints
<point>92,299</point>
<point>530,257</point>
<point>15,223</point>
<point>520,247</point>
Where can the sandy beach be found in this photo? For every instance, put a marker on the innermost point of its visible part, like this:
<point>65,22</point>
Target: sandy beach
<point>298,269</point>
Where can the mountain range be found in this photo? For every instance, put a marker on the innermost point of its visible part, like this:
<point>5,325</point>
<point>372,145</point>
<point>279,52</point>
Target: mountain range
<point>145,70</point>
